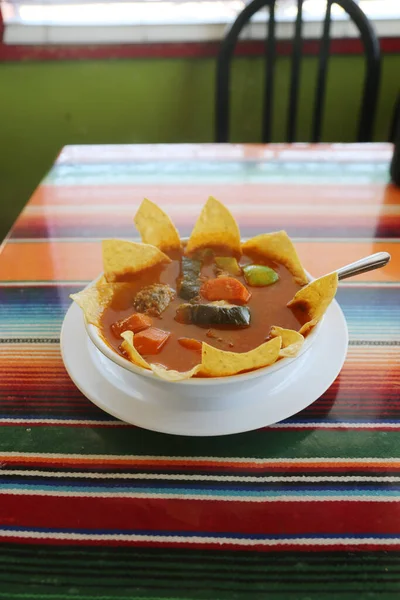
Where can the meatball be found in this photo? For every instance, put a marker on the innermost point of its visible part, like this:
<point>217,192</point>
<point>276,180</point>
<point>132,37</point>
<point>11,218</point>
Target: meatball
<point>153,299</point>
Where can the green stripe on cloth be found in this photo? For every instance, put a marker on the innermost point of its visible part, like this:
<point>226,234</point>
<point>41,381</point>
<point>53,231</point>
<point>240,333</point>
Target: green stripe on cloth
<point>109,573</point>
<point>262,444</point>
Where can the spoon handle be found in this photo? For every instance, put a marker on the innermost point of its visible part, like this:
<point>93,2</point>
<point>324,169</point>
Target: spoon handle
<point>369,263</point>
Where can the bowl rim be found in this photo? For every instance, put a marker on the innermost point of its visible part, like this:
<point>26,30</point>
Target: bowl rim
<point>94,334</point>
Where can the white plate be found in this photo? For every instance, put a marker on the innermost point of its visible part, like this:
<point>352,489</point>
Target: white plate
<point>131,398</point>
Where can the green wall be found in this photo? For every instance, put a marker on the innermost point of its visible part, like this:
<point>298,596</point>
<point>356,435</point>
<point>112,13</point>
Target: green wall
<point>44,106</point>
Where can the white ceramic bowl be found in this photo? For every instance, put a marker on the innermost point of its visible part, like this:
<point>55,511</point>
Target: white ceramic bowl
<point>196,388</point>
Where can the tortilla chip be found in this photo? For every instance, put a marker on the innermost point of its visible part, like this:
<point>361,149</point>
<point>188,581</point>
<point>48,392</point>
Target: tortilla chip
<point>156,227</point>
<point>315,298</point>
<point>101,281</point>
<point>94,300</point>
<point>171,375</point>
<point>127,258</point>
<point>292,341</point>
<point>166,374</point>
<point>128,347</point>
<point>218,363</point>
<point>278,247</point>
<point>214,228</point>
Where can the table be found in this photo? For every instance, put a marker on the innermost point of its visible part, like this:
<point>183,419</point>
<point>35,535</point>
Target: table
<point>93,508</point>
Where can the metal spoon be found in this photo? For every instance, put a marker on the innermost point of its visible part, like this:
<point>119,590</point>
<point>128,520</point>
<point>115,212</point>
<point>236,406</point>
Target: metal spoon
<point>369,263</point>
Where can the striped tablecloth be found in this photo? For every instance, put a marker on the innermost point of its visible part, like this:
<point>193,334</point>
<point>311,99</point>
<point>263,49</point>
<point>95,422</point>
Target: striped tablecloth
<point>308,508</point>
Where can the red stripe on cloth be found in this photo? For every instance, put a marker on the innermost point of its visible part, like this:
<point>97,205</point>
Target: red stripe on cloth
<point>66,423</point>
<point>206,516</point>
<point>108,224</point>
<point>150,464</point>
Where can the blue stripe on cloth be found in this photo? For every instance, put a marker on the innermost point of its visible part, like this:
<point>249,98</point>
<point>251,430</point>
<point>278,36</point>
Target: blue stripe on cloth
<point>211,491</point>
<point>193,172</point>
<point>203,534</point>
<point>37,312</point>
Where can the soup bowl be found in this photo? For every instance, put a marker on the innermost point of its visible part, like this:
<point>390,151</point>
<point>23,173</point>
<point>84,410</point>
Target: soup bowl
<point>196,388</point>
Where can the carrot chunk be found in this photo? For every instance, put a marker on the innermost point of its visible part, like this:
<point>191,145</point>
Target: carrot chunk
<point>190,343</point>
<point>225,288</point>
<point>150,341</point>
<point>136,322</point>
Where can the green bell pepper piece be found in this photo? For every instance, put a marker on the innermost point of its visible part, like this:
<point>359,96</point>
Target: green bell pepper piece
<point>259,275</point>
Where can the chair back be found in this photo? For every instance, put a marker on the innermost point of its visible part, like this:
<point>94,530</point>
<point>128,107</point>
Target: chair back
<point>371,79</point>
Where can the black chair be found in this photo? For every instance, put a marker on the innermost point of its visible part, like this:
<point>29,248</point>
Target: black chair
<point>371,81</point>
<point>395,122</point>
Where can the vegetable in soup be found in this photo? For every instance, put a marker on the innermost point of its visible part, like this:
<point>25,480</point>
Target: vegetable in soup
<point>211,297</point>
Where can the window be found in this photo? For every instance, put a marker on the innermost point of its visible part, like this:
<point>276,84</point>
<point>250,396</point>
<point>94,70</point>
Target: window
<point>63,21</point>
